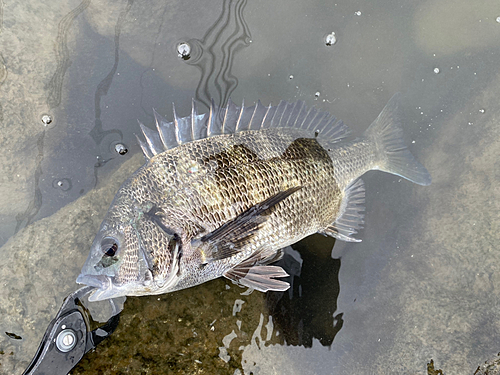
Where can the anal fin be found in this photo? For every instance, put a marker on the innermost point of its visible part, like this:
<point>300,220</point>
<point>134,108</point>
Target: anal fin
<point>351,214</point>
<point>256,274</point>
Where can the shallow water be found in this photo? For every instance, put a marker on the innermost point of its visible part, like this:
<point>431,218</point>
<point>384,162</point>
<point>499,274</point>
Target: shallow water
<point>422,285</point>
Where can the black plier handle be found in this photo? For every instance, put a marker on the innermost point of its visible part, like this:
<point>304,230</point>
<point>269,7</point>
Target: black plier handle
<point>68,337</point>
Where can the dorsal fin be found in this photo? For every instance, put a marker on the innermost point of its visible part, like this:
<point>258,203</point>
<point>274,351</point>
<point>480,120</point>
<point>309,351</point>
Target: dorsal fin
<point>233,119</point>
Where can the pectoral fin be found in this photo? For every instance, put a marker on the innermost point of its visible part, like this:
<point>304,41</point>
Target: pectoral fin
<point>231,237</point>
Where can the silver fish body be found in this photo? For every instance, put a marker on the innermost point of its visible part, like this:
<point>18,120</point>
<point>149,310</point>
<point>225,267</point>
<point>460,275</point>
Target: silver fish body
<point>222,193</point>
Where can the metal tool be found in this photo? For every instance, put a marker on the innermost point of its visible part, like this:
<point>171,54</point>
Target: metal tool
<point>68,337</point>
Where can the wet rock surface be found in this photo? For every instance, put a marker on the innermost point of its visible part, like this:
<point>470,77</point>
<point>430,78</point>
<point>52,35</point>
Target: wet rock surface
<point>47,253</point>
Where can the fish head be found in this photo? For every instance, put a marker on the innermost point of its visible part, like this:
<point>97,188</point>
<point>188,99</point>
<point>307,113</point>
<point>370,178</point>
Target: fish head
<point>133,253</point>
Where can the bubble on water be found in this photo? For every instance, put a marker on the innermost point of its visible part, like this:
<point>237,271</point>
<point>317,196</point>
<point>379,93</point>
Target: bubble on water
<point>64,184</point>
<point>357,13</point>
<point>436,70</point>
<point>470,123</point>
<point>330,39</point>
<point>498,19</point>
<point>121,148</point>
<point>184,50</point>
<point>482,110</point>
<point>46,119</point>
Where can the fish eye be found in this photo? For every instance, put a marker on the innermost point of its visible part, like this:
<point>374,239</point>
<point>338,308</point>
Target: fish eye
<point>109,246</point>
<point>112,250</point>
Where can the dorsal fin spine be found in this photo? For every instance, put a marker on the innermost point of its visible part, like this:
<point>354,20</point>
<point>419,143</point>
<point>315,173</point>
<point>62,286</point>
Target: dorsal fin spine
<point>266,121</point>
<point>210,119</point>
<point>231,116</point>
<point>249,126</point>
<point>145,149</point>
<point>152,139</point>
<point>225,121</point>
<point>194,117</point>
<point>159,121</point>
<point>233,119</point>
<point>212,123</point>
<point>238,122</point>
<point>257,116</point>
<point>176,124</point>
<point>255,107</point>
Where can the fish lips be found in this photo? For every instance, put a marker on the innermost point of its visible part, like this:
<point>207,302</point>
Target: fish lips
<point>107,287</point>
<point>104,285</point>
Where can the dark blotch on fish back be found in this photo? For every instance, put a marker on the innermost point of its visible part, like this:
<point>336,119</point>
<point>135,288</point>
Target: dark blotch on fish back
<point>233,156</point>
<point>306,149</point>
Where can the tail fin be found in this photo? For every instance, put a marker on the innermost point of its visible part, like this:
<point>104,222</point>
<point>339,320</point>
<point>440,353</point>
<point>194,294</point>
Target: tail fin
<point>394,156</point>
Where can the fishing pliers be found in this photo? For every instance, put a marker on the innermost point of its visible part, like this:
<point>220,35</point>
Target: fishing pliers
<point>68,337</point>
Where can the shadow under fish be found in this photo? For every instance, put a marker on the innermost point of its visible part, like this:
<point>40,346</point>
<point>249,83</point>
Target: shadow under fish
<point>308,310</point>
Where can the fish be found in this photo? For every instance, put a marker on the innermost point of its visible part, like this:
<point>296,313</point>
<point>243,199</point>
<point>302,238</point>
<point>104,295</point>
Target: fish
<point>221,194</point>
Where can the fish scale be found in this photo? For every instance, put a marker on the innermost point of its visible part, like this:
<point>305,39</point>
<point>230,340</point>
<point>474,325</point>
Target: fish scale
<point>222,193</point>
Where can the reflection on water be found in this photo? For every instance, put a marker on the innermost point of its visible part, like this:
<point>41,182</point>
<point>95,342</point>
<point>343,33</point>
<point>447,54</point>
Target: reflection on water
<point>62,55</point>
<point>214,54</point>
<point>97,132</point>
<point>25,218</point>
<point>54,90</point>
<point>66,147</point>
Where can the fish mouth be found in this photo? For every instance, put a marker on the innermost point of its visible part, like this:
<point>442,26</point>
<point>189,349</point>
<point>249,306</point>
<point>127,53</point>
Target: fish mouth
<point>99,281</point>
<point>104,285</point>
<point>107,288</point>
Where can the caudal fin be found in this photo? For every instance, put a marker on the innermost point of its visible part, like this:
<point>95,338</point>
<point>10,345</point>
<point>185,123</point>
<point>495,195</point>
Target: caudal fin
<point>394,156</point>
